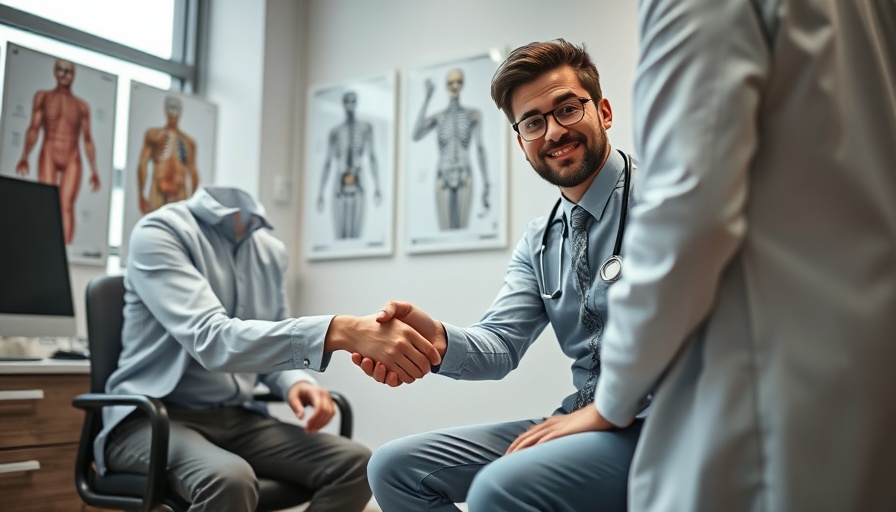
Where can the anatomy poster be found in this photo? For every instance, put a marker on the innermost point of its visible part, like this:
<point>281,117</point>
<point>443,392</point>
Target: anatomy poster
<point>455,185</point>
<point>170,151</point>
<point>350,169</point>
<point>57,127</point>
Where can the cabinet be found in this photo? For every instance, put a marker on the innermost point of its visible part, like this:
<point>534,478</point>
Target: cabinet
<point>39,433</point>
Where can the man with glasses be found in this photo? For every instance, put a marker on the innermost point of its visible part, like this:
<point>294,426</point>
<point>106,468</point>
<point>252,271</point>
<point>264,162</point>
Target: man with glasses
<point>551,94</point>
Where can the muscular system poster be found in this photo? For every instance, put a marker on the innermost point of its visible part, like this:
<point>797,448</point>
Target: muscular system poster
<point>58,127</point>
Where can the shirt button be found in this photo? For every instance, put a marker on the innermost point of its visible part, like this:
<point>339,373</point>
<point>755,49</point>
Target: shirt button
<point>307,363</point>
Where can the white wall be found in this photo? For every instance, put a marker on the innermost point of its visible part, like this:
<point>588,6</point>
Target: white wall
<point>353,38</point>
<point>235,82</point>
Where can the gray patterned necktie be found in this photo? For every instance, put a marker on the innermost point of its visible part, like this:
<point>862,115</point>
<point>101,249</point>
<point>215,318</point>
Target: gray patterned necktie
<point>591,319</point>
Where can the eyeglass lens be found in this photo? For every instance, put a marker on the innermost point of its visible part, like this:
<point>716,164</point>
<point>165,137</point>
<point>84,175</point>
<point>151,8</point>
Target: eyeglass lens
<point>536,125</point>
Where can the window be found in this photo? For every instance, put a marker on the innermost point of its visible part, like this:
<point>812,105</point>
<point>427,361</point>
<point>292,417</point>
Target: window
<point>147,25</point>
<point>149,41</point>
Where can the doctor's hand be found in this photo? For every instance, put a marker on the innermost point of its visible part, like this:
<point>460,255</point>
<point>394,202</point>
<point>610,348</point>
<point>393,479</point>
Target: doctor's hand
<point>402,350</point>
<point>304,394</point>
<point>417,319</point>
<point>376,370</point>
<point>586,419</point>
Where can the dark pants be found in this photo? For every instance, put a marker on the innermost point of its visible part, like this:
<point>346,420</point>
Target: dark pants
<point>216,455</point>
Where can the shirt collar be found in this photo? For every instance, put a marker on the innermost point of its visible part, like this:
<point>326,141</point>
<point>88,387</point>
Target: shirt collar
<point>601,189</point>
<point>215,206</point>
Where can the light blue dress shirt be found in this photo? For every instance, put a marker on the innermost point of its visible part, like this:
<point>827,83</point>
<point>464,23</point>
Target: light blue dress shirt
<point>491,348</point>
<point>206,313</point>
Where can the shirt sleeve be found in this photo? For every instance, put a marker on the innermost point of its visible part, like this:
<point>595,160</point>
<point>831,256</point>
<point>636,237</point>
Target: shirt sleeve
<point>491,348</point>
<point>698,87</point>
<point>181,299</point>
<point>280,382</point>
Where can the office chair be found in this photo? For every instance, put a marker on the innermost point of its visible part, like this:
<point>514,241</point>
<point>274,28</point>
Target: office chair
<point>130,491</point>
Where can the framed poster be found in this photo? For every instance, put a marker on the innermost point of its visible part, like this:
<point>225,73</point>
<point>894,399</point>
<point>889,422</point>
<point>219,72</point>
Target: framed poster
<point>350,169</point>
<point>170,151</point>
<point>455,177</point>
<point>57,127</point>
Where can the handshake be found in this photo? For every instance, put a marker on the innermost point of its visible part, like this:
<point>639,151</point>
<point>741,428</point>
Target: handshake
<point>400,344</point>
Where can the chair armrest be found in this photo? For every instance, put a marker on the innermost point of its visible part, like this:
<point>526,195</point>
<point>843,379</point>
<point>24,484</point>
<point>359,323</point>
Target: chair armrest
<point>346,419</point>
<point>157,413</point>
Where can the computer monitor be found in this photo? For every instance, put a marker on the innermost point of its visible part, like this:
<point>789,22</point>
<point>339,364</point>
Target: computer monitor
<point>35,288</point>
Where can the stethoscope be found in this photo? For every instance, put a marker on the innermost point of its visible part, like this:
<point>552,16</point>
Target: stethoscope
<point>612,268</point>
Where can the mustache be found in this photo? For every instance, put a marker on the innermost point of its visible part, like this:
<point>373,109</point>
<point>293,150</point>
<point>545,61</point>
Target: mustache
<point>566,139</point>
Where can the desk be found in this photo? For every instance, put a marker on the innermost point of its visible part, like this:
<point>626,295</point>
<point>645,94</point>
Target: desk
<point>39,433</point>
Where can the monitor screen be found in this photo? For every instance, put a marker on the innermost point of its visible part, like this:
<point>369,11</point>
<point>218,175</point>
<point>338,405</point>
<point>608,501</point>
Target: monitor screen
<point>35,289</point>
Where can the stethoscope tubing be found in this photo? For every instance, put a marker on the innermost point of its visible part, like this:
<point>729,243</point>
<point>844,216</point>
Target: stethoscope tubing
<point>611,269</point>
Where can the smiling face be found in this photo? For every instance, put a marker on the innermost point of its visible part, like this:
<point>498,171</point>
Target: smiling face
<point>566,156</point>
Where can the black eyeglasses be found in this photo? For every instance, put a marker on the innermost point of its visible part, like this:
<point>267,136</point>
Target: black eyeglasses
<point>536,125</point>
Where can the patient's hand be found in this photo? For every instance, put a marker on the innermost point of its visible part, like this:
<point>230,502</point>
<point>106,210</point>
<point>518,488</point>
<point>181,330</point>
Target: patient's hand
<point>304,394</point>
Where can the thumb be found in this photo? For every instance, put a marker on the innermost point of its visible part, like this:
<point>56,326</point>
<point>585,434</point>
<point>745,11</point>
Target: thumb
<point>297,405</point>
<point>402,309</point>
<point>393,309</point>
<point>417,319</point>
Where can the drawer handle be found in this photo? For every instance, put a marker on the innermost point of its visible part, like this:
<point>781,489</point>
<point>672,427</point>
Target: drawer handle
<point>19,467</point>
<point>23,394</point>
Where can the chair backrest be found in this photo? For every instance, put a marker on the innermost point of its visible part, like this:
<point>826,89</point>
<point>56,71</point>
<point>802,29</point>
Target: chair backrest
<point>105,317</point>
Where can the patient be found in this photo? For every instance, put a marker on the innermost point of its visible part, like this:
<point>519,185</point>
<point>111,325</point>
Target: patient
<point>205,320</point>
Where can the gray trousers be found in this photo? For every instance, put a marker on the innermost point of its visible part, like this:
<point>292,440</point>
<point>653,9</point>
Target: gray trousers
<point>584,472</point>
<point>215,455</point>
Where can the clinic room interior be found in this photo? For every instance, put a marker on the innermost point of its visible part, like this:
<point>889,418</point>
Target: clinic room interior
<point>263,66</point>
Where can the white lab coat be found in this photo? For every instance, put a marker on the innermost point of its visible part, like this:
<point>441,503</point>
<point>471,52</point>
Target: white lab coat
<point>758,297</point>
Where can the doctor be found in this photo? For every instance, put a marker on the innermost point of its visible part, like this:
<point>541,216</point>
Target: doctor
<point>551,95</point>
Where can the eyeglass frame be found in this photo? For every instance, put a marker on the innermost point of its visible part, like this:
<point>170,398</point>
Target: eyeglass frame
<point>544,115</point>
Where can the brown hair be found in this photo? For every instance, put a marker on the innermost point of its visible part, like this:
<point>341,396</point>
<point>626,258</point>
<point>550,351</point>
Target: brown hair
<point>528,62</point>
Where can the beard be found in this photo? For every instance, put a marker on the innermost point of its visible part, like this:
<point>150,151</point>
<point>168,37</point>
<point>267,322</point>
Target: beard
<point>568,177</point>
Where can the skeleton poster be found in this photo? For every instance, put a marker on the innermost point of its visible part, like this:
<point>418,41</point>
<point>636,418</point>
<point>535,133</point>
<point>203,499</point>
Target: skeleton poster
<point>57,127</point>
<point>170,151</point>
<point>455,166</point>
<point>350,169</point>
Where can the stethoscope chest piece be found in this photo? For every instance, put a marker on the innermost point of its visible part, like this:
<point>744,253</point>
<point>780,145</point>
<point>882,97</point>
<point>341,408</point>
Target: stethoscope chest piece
<point>611,269</point>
